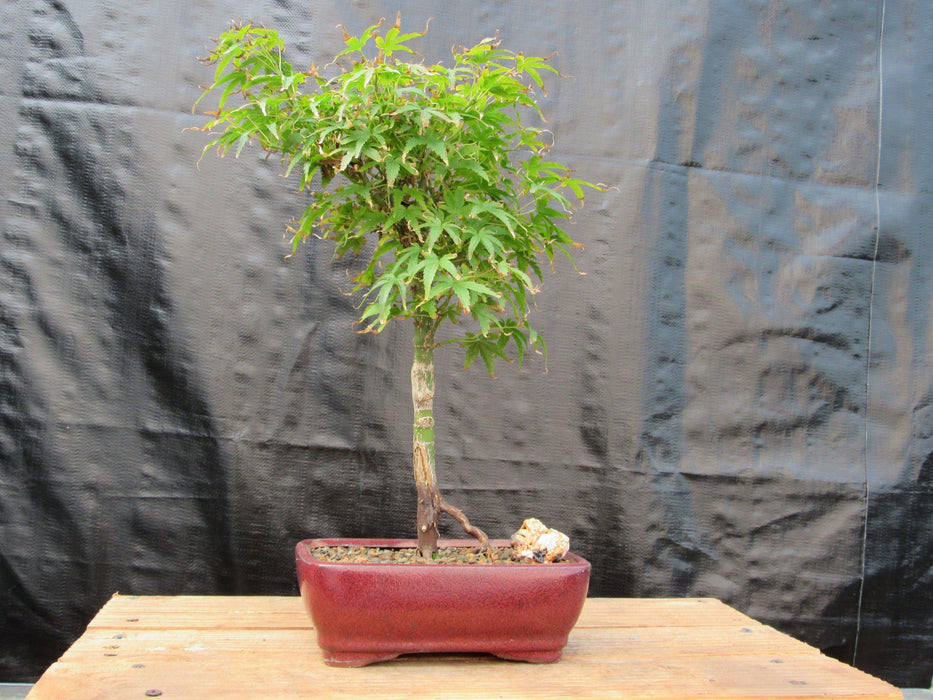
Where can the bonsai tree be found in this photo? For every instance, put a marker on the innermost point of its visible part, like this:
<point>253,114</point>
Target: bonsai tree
<point>426,171</point>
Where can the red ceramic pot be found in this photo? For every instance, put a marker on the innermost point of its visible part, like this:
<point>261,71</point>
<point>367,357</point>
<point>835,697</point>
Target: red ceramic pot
<point>371,612</point>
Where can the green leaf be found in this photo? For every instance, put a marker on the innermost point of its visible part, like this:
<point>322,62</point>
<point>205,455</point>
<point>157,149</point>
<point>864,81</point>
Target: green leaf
<point>241,142</point>
<point>473,167</point>
<point>446,262</point>
<point>485,317</point>
<point>485,348</point>
<point>439,149</point>
<point>470,355</point>
<point>394,41</point>
<point>479,288</point>
<point>392,169</point>
<point>428,170</point>
<point>463,294</point>
<point>431,266</point>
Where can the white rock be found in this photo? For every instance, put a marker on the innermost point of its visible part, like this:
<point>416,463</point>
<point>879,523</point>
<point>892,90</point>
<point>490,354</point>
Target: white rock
<point>535,540</point>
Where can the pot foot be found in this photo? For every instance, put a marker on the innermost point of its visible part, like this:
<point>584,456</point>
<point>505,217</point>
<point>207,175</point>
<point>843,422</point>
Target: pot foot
<point>355,659</point>
<point>547,656</point>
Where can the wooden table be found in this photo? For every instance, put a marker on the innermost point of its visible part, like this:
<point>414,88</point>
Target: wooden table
<point>264,647</point>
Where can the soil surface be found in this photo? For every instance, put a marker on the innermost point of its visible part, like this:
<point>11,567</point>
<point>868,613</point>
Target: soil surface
<point>409,555</point>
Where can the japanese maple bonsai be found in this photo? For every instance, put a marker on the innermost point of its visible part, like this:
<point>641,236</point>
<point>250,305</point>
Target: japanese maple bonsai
<point>430,174</point>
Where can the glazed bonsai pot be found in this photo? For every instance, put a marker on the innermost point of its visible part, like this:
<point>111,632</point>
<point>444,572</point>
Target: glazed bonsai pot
<point>369,612</point>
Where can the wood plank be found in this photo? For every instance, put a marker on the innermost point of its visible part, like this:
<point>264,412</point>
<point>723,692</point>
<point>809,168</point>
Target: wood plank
<point>592,643</point>
<point>288,675</point>
<point>245,647</point>
<point>202,612</point>
<point>660,612</point>
<point>268,612</point>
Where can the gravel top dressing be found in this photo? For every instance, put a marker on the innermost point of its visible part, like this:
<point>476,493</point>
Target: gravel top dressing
<point>409,555</point>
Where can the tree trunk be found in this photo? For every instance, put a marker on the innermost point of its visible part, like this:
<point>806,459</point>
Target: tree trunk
<point>430,502</point>
<point>422,398</point>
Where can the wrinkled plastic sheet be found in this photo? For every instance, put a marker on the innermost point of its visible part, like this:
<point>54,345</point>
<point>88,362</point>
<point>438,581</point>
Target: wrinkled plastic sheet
<point>737,398</point>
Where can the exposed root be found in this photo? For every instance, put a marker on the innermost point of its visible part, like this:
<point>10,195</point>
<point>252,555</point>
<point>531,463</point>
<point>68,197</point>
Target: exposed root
<point>458,515</point>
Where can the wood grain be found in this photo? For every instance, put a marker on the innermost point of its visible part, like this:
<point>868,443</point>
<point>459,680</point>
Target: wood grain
<point>264,647</point>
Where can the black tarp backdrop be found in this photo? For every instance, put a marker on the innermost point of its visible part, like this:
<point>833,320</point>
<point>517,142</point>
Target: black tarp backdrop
<point>738,402</point>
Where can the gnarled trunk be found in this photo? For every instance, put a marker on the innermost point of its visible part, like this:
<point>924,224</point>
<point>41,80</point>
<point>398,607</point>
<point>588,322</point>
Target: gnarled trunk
<point>430,502</point>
